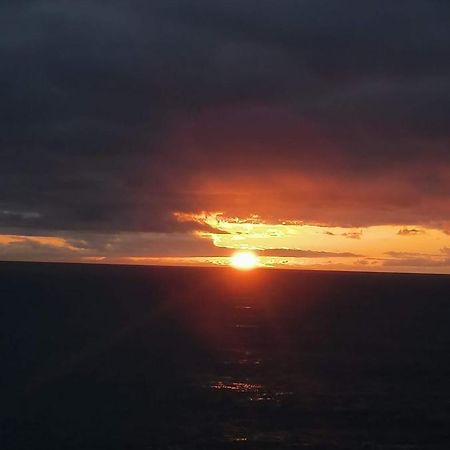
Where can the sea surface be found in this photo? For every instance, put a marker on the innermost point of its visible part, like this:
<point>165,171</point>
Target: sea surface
<point>120,357</point>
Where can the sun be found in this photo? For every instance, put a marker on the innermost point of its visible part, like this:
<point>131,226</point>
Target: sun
<point>244,260</point>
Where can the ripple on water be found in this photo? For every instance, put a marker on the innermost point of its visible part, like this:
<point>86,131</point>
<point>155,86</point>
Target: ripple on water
<point>254,392</point>
<point>238,435</point>
<point>236,386</point>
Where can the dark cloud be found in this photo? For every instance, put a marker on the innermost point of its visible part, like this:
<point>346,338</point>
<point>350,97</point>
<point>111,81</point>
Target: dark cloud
<point>418,262</point>
<point>410,232</point>
<point>347,234</point>
<point>85,246</point>
<point>116,114</point>
<point>30,250</point>
<point>396,254</point>
<point>298,253</point>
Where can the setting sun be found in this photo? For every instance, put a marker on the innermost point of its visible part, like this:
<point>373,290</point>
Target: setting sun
<point>244,260</point>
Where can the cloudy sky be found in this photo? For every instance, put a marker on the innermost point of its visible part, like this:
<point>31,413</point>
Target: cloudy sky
<point>316,133</point>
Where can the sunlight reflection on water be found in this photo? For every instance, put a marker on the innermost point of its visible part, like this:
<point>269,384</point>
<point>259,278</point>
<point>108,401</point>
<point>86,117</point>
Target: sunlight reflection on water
<point>236,386</point>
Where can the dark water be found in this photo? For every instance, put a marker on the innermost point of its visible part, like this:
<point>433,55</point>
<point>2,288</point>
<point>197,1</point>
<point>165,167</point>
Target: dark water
<point>98,357</point>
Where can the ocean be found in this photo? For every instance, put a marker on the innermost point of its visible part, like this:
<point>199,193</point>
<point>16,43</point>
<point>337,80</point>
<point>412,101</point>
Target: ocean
<point>132,357</point>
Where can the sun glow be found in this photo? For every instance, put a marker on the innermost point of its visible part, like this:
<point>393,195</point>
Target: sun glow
<point>244,260</point>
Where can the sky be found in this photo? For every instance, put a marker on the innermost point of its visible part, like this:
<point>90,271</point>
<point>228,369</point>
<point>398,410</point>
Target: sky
<point>315,133</point>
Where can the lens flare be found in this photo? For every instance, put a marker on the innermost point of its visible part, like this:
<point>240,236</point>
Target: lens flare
<point>244,260</point>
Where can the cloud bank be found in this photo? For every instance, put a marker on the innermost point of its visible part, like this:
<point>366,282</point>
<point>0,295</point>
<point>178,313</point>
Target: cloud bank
<point>116,115</point>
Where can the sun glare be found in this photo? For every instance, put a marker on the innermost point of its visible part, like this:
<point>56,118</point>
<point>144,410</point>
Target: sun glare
<point>244,260</point>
